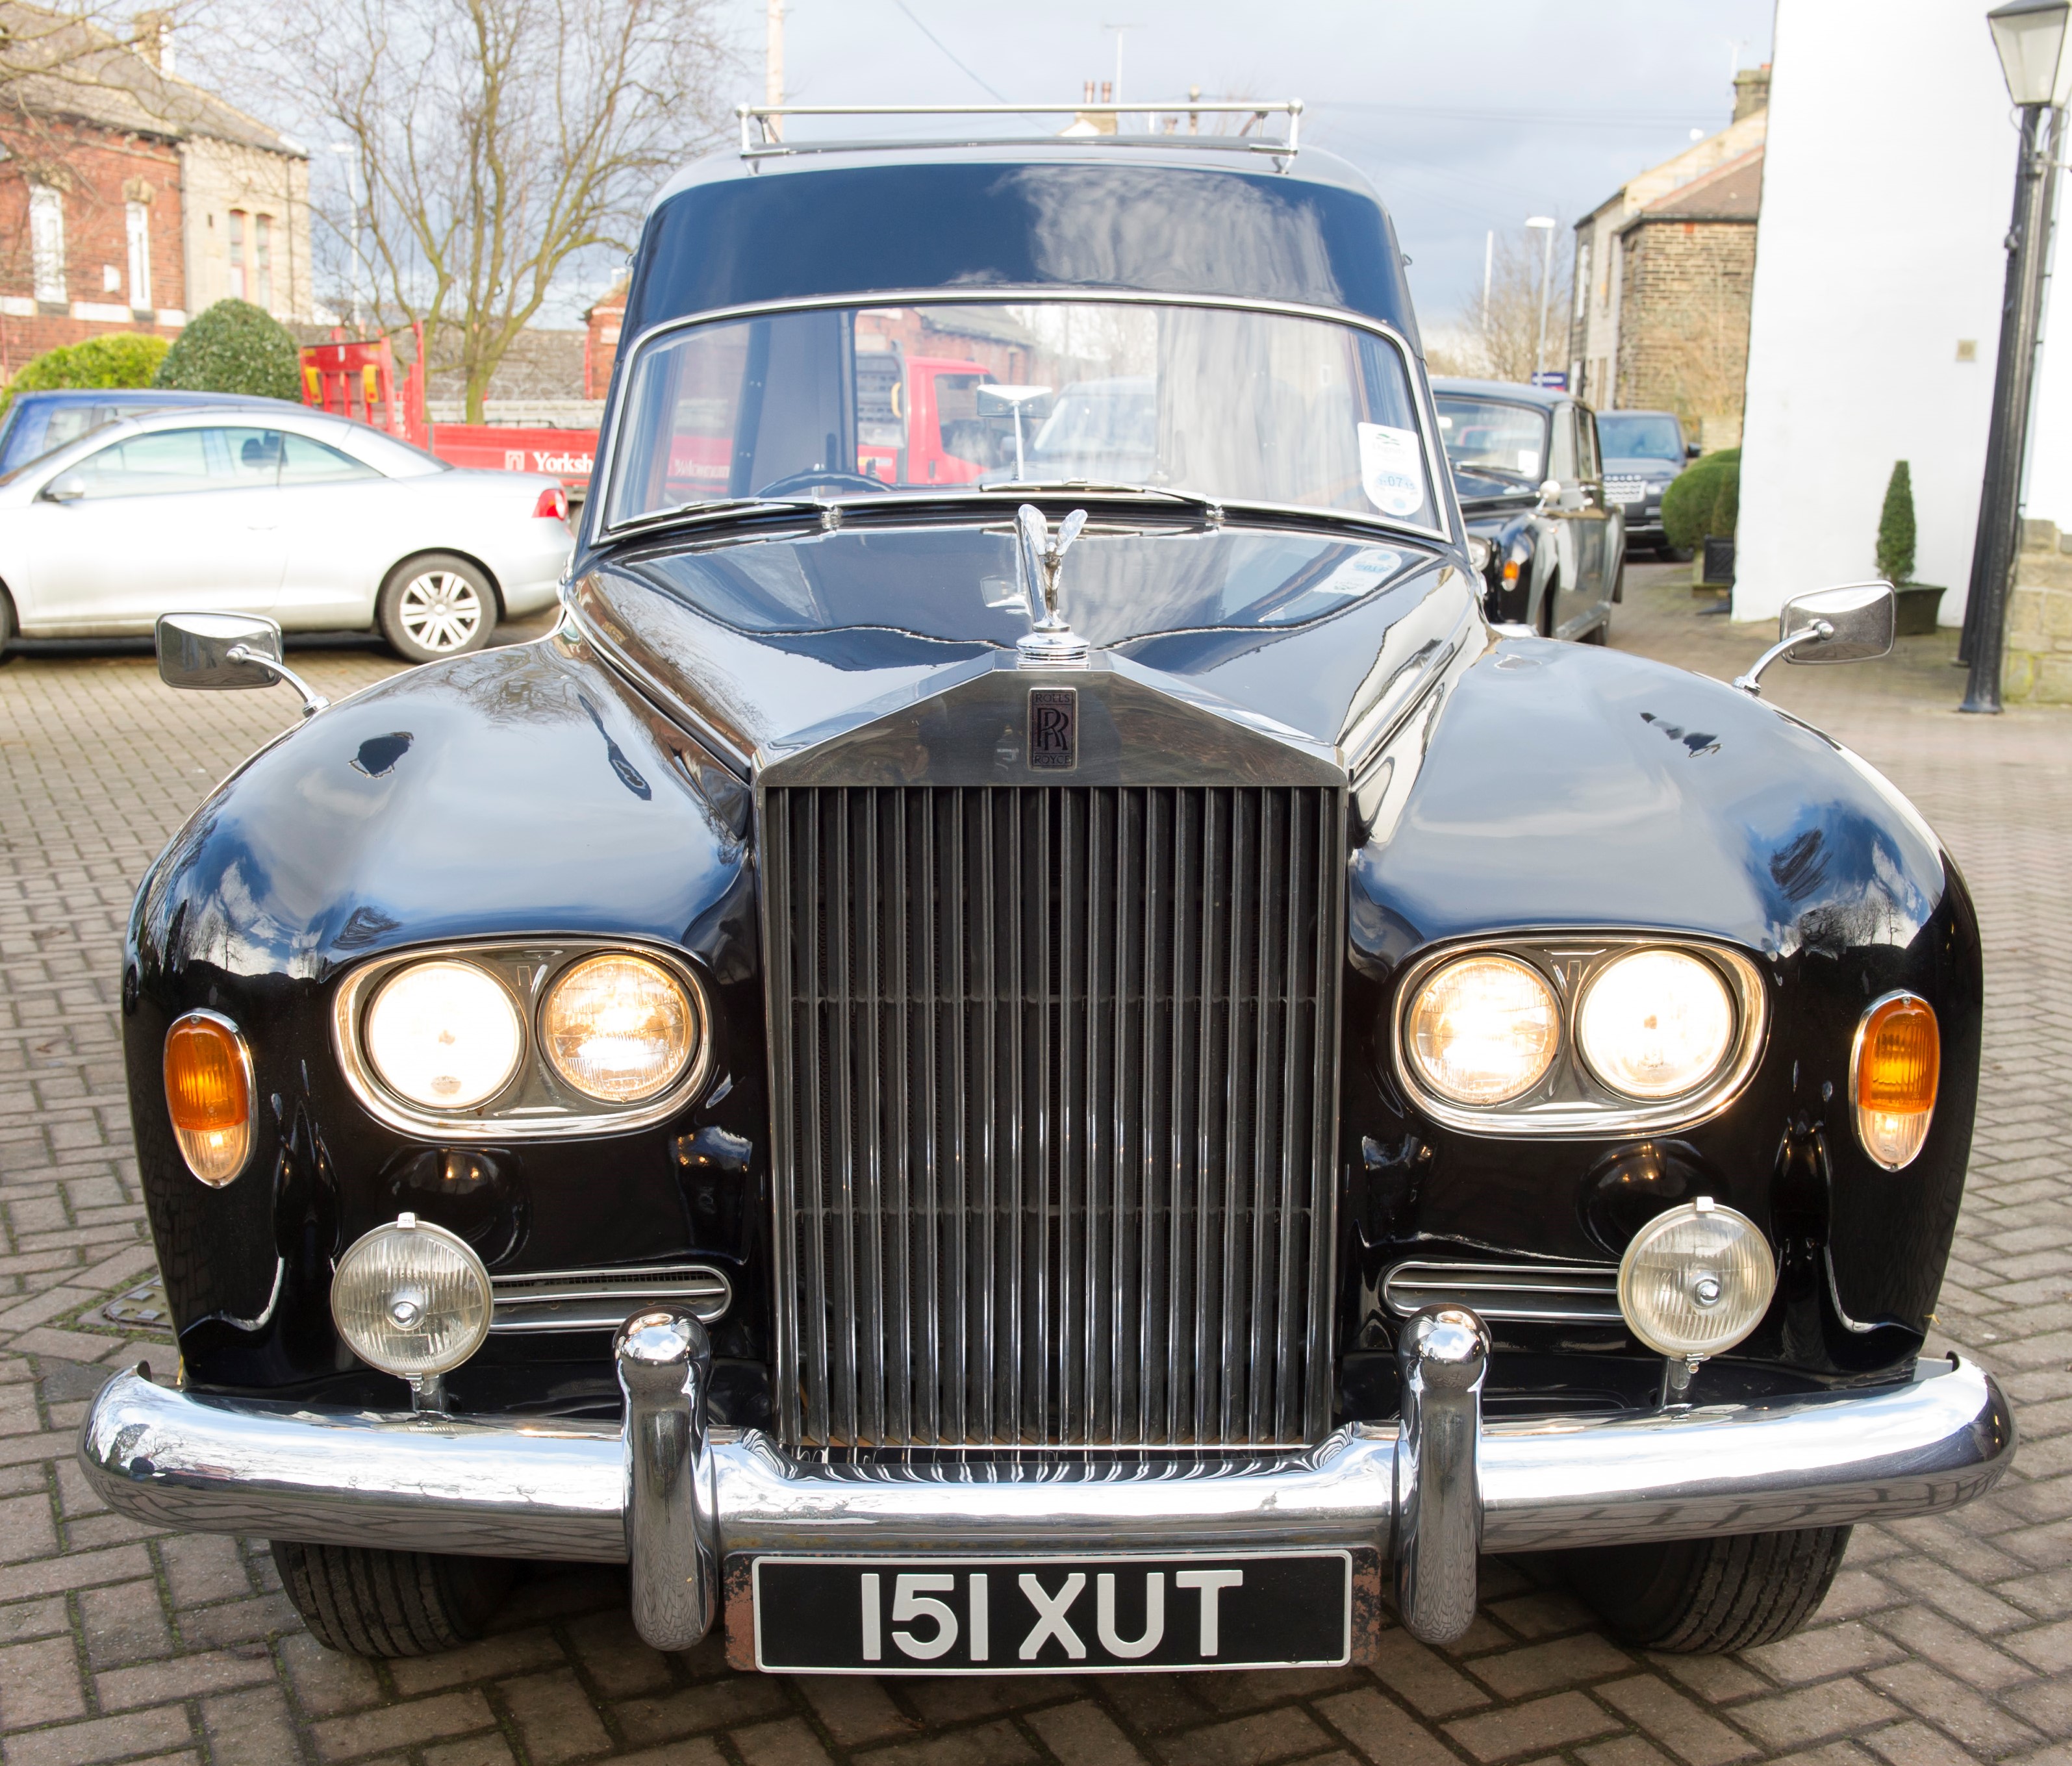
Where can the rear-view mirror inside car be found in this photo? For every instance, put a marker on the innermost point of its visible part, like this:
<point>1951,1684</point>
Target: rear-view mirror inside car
<point>193,650</point>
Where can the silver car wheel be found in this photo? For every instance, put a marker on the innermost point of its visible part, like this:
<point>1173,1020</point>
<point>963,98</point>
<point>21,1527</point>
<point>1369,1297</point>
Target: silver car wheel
<point>440,611</point>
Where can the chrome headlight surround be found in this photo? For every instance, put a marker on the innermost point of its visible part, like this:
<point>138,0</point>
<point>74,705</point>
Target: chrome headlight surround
<point>537,1102</point>
<point>1569,1099</point>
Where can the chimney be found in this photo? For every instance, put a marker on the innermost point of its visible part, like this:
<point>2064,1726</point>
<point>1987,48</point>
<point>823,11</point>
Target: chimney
<point>154,39</point>
<point>1751,91</point>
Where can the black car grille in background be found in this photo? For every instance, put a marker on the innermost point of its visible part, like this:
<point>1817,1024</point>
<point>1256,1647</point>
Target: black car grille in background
<point>1055,1076</point>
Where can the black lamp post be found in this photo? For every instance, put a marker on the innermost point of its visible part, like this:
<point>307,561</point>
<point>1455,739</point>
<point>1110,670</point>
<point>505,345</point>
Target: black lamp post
<point>2030,37</point>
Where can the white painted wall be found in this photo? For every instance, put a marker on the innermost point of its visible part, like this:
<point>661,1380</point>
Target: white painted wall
<point>1887,187</point>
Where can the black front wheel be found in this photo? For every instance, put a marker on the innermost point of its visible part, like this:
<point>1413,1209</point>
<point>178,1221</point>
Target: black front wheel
<point>390,1604</point>
<point>1707,1596</point>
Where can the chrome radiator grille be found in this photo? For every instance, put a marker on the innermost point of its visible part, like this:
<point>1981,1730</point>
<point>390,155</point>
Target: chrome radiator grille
<point>1055,1098</point>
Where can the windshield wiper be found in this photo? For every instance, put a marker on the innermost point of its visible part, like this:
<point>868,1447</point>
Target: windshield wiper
<point>1193,499</point>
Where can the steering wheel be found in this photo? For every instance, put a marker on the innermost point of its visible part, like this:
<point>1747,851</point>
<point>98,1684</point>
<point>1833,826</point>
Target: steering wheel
<point>828,475</point>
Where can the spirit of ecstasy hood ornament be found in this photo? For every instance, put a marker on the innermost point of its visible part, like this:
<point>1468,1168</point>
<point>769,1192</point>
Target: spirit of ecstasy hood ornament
<point>1053,644</point>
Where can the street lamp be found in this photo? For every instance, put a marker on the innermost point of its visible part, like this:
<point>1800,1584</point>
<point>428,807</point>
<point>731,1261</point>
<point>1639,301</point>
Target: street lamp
<point>1545,223</point>
<point>349,152</point>
<point>2030,37</point>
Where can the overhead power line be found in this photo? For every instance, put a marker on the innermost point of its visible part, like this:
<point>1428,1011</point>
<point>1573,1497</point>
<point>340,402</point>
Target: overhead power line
<point>912,19</point>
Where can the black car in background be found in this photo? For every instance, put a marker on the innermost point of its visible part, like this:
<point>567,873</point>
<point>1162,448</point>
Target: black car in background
<point>1643,451</point>
<point>1525,465</point>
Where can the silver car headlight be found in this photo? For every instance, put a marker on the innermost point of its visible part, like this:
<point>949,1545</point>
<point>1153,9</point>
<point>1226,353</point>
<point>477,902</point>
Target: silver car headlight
<point>1655,1024</point>
<point>444,1034</point>
<point>619,1028</point>
<point>1483,1030</point>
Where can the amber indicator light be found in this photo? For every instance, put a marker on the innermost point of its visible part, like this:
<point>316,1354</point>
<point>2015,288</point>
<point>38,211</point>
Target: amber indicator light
<point>209,1095</point>
<point>1899,1060</point>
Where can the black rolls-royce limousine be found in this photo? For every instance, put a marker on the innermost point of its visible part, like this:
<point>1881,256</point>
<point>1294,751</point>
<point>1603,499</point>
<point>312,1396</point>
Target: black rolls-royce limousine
<point>1025,1043</point>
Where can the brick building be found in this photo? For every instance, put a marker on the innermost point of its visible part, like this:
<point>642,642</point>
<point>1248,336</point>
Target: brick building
<point>130,197</point>
<point>1663,271</point>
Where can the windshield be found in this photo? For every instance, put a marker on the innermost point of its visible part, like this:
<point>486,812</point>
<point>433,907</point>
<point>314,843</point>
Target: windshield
<point>1491,436</point>
<point>1234,406</point>
<point>1653,437</point>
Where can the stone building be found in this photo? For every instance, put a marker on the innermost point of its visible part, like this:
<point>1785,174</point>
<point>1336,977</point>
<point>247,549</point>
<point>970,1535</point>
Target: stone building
<point>1663,271</point>
<point>130,197</point>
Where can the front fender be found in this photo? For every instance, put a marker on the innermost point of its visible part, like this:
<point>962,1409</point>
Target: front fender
<point>1564,788</point>
<point>521,790</point>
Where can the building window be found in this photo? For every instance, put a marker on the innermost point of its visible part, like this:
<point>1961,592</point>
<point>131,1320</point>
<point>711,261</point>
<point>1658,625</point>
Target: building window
<point>47,248</point>
<point>262,260</point>
<point>139,218</point>
<point>238,254</point>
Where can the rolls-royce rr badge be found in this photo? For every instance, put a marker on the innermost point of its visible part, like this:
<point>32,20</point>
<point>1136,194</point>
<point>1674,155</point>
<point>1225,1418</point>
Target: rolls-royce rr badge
<point>1054,729</point>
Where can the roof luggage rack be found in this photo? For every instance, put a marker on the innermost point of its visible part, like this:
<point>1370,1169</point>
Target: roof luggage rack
<point>759,140</point>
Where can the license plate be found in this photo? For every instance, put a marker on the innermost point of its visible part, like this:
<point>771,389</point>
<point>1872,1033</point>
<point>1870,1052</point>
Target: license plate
<point>1626,493</point>
<point>1044,1616</point>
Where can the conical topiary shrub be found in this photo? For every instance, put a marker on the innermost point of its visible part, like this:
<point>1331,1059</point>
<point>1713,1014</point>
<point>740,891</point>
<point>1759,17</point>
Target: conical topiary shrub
<point>234,348</point>
<point>1895,534</point>
<point>1918,602</point>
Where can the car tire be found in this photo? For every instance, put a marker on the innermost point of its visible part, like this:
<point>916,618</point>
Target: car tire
<point>1545,622</point>
<point>390,1604</point>
<point>435,605</point>
<point>6,625</point>
<point>1706,1596</point>
<point>1601,632</point>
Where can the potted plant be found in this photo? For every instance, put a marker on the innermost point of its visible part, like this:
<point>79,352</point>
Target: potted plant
<point>1918,601</point>
<point>1699,511</point>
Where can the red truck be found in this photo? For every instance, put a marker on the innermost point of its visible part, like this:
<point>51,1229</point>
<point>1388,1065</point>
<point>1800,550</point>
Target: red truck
<point>917,419</point>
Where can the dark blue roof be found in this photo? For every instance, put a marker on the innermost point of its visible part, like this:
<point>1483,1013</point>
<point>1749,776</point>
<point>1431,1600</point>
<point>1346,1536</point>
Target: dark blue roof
<point>1157,222</point>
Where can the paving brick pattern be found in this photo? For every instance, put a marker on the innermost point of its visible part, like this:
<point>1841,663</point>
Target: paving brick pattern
<point>1945,1639</point>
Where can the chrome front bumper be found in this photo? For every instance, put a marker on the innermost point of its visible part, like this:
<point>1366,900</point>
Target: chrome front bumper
<point>679,1502</point>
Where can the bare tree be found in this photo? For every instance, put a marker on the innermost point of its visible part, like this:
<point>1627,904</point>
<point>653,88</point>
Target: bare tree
<point>1707,362</point>
<point>496,146</point>
<point>1505,325</point>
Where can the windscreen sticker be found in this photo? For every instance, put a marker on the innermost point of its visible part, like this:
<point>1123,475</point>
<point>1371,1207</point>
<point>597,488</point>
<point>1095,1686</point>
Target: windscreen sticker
<point>1391,469</point>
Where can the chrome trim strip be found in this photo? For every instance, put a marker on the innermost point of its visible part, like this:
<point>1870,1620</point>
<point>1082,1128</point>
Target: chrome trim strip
<point>484,1123</point>
<point>1528,1293</point>
<point>603,1299</point>
<point>1437,472</point>
<point>1568,957</point>
<point>509,1487</point>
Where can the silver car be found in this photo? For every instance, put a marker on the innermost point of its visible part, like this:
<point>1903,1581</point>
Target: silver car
<point>322,523</point>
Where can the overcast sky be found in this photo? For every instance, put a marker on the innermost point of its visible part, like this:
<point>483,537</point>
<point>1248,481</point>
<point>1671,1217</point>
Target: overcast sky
<point>1467,114</point>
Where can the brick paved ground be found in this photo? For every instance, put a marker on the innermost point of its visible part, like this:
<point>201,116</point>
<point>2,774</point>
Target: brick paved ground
<point>1944,1639</point>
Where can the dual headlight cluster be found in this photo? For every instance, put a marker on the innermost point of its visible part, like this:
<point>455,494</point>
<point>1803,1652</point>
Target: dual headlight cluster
<point>1579,1033</point>
<point>540,1039</point>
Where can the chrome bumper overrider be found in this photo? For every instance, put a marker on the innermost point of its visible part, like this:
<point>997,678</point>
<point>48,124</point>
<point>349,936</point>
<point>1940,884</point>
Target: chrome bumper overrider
<point>676,1501</point>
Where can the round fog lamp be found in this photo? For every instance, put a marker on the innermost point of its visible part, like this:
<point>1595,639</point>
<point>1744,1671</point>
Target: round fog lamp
<point>411,1299</point>
<point>1483,1030</point>
<point>1696,1280</point>
<point>619,1028</point>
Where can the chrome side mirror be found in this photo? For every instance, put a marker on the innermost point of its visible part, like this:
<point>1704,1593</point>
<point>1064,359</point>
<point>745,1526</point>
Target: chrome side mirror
<point>66,488</point>
<point>1855,623</point>
<point>216,653</point>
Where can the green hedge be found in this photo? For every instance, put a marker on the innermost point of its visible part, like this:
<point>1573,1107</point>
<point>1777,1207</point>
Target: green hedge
<point>126,359</point>
<point>1703,501</point>
<point>234,348</point>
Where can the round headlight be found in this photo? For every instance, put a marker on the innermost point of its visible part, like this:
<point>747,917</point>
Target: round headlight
<point>1696,1280</point>
<point>1483,1030</point>
<point>411,1299</point>
<point>444,1034</point>
<point>619,1028</point>
<point>1656,1024</point>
